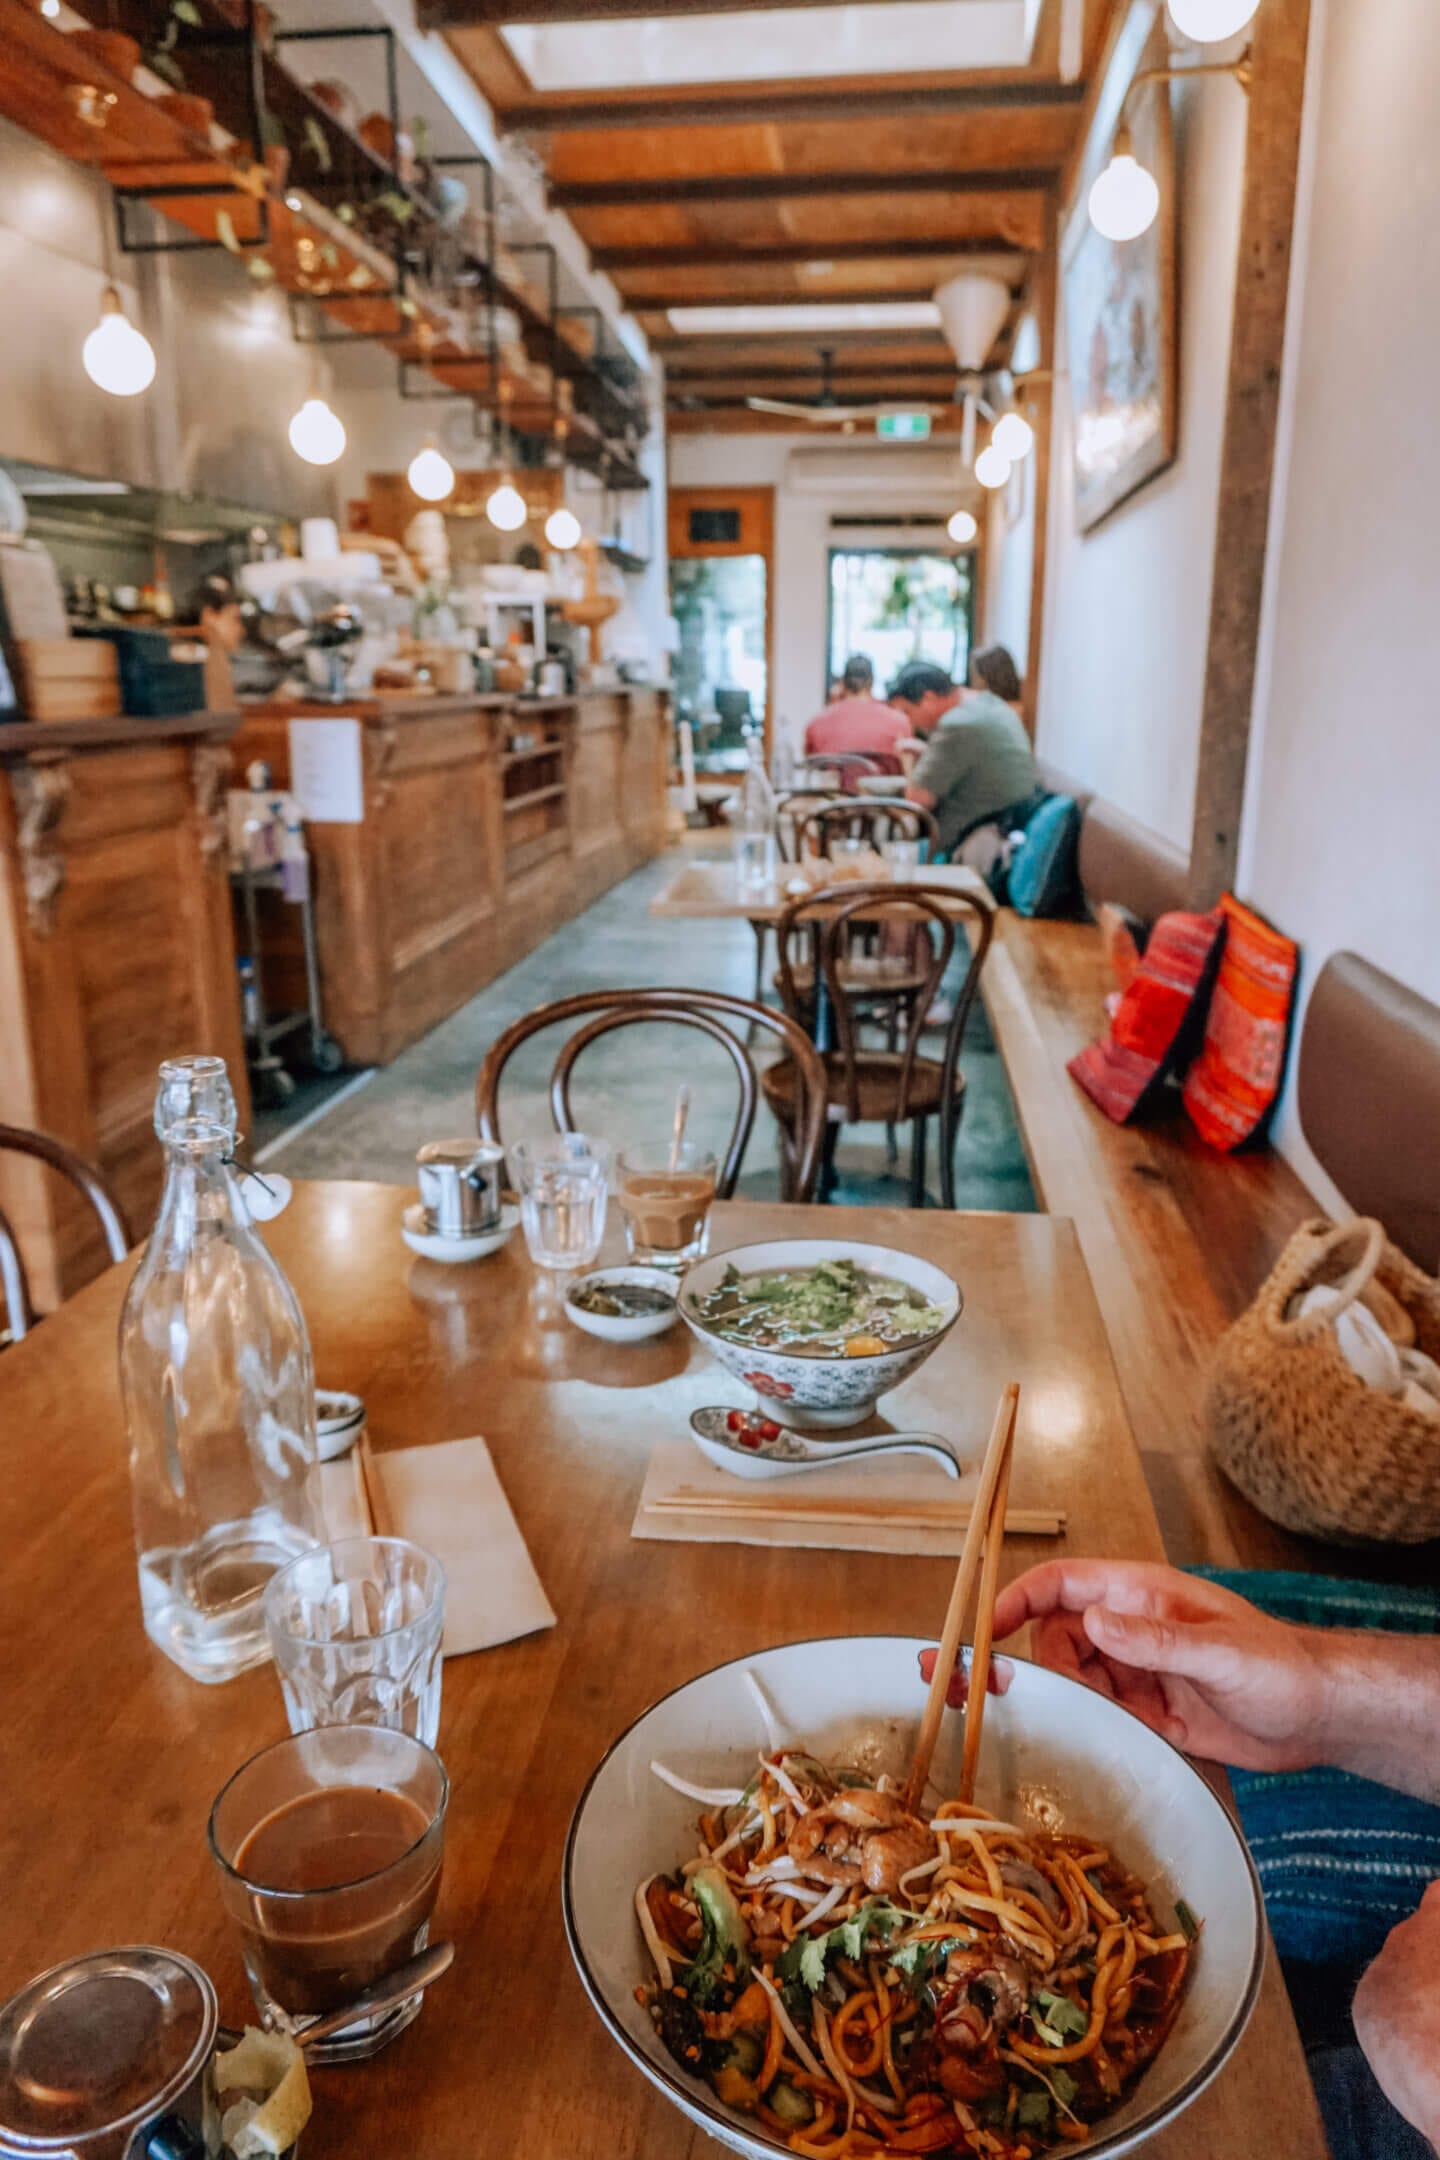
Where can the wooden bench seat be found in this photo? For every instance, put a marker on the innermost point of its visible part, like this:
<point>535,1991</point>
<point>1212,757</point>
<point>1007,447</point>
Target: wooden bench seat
<point>1177,1238</point>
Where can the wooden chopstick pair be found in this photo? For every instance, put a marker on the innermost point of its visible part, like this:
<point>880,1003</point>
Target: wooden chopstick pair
<point>985,1536</point>
<point>855,1512</point>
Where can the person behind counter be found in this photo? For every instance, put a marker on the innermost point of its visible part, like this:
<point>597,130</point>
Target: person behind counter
<point>216,608</point>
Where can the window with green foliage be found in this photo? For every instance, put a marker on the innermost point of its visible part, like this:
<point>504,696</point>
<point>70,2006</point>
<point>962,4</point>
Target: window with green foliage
<point>899,604</point>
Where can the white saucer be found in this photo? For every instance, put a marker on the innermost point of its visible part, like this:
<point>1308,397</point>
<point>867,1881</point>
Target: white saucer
<point>455,1252</point>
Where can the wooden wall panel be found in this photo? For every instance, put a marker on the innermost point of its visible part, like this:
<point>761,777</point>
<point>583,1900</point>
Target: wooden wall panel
<point>116,955</point>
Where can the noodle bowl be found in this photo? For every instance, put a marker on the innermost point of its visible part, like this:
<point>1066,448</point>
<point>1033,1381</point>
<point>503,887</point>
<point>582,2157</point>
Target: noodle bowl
<point>995,1920</point>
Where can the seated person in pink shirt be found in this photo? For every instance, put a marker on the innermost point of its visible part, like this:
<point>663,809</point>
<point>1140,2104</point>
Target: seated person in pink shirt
<point>856,720</point>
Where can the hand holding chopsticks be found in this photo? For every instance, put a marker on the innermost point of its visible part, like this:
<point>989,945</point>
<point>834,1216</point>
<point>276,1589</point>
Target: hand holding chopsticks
<point>987,1533</point>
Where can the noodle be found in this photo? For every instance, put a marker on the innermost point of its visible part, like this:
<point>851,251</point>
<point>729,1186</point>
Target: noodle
<point>896,1983</point>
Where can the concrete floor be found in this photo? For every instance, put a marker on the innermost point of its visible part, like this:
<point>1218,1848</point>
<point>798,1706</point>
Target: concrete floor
<point>624,1090</point>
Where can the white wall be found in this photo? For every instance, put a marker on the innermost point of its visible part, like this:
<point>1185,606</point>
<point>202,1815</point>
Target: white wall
<point>1127,604</point>
<point>1009,527</point>
<point>1339,845</point>
<point>804,535</point>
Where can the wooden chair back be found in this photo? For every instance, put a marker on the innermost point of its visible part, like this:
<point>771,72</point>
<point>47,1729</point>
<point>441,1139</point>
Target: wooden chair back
<point>871,818</point>
<point>20,1313</point>
<point>791,811</point>
<point>931,908</point>
<point>707,1012</point>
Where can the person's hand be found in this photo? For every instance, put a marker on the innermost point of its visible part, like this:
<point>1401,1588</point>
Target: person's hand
<point>1397,2016</point>
<point>1204,1668</point>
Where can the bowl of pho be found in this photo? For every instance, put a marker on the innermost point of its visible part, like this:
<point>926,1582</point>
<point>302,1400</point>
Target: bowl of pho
<point>819,1327</point>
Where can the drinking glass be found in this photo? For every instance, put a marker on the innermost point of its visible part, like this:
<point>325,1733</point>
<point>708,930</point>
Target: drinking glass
<point>561,1182</point>
<point>355,1631</point>
<point>329,1847</point>
<point>665,1196</point>
<point>903,856</point>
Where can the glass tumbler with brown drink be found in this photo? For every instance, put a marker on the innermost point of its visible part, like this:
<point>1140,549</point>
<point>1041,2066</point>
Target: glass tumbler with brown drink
<point>665,1196</point>
<point>329,1847</point>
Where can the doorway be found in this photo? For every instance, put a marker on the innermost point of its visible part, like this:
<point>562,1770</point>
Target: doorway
<point>721,595</point>
<point>899,604</point>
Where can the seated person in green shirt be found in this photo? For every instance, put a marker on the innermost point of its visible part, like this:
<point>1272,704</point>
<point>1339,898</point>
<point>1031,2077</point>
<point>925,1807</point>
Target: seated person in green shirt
<point>978,771</point>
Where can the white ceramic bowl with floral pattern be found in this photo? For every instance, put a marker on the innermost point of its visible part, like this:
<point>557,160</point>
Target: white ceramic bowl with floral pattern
<point>819,1393</point>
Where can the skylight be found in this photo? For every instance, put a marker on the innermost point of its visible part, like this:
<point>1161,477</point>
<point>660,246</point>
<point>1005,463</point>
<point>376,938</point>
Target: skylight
<point>904,37</point>
<point>804,316</point>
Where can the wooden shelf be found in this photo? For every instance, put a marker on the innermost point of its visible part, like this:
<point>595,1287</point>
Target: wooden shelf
<point>510,758</point>
<point>535,795</point>
<point>290,220</point>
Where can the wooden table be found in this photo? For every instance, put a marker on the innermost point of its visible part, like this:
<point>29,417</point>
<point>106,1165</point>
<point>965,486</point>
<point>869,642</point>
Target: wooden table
<point>114,1756</point>
<point>711,891</point>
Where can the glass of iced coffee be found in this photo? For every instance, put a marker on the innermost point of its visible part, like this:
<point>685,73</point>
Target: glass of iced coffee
<point>665,1196</point>
<point>329,1847</point>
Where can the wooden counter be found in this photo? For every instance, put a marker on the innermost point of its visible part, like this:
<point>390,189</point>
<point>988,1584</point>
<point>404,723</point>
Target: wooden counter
<point>471,844</point>
<point>115,953</point>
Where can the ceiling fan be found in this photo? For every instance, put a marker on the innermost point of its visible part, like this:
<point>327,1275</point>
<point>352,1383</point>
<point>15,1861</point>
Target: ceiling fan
<point>827,411</point>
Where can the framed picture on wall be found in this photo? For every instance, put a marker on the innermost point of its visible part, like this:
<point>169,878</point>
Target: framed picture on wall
<point>1120,335</point>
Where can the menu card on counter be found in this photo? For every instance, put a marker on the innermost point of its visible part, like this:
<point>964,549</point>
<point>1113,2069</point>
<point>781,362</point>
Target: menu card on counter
<point>327,773</point>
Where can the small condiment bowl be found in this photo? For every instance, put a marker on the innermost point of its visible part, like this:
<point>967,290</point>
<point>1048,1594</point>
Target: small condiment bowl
<point>623,1327</point>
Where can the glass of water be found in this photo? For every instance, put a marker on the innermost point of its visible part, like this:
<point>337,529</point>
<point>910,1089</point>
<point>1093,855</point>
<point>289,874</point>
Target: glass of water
<point>355,1631</point>
<point>561,1180</point>
<point>903,856</point>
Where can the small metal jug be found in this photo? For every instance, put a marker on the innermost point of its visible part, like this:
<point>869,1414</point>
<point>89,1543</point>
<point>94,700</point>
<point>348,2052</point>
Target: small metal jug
<point>460,1186</point>
<point>108,2057</point>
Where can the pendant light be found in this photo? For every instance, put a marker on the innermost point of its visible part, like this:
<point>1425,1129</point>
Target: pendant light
<point>116,356</point>
<point>316,433</point>
<point>562,529</point>
<point>1208,22</point>
<point>1125,200</point>
<point>1013,436</point>
<point>962,528</point>
<point>505,506</point>
<point>992,467</point>
<point>430,474</point>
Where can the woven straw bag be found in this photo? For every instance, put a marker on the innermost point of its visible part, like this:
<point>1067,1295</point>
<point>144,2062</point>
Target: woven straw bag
<point>1302,1435</point>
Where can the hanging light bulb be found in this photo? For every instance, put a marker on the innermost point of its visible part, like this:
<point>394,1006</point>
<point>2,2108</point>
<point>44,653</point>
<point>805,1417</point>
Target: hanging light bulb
<point>316,433</point>
<point>562,528</point>
<point>1013,436</point>
<point>50,9</point>
<point>505,507</point>
<point>992,467</point>
<point>431,475</point>
<point>962,528</point>
<point>1208,22</point>
<point>1125,199</point>
<point>116,356</point>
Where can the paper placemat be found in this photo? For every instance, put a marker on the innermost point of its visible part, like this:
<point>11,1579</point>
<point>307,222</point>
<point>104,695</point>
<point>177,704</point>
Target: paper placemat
<point>449,1499</point>
<point>678,1468</point>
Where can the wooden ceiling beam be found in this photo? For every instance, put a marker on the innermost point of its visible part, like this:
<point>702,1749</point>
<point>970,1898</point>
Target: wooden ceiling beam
<point>700,254</point>
<point>869,97</point>
<point>693,378</point>
<point>794,186</point>
<point>739,296</point>
<point>472,14</point>
<point>737,348</point>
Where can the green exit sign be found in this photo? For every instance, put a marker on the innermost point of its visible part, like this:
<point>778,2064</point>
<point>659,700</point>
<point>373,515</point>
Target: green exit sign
<point>903,426</point>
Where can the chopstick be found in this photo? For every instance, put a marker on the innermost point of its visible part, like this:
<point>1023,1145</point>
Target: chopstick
<point>976,1536</point>
<point>984,1634</point>
<point>918,1514</point>
<point>382,1522</point>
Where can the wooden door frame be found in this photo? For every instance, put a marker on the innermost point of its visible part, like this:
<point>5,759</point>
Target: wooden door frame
<point>756,506</point>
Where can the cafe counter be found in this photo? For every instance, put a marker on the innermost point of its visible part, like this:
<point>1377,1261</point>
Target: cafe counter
<point>449,835</point>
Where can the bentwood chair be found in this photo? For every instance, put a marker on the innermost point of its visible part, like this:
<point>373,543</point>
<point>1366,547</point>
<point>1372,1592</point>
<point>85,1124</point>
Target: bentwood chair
<point>848,766</point>
<point>889,1085</point>
<point>802,1121</point>
<point>20,1314</point>
<point>873,819</point>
